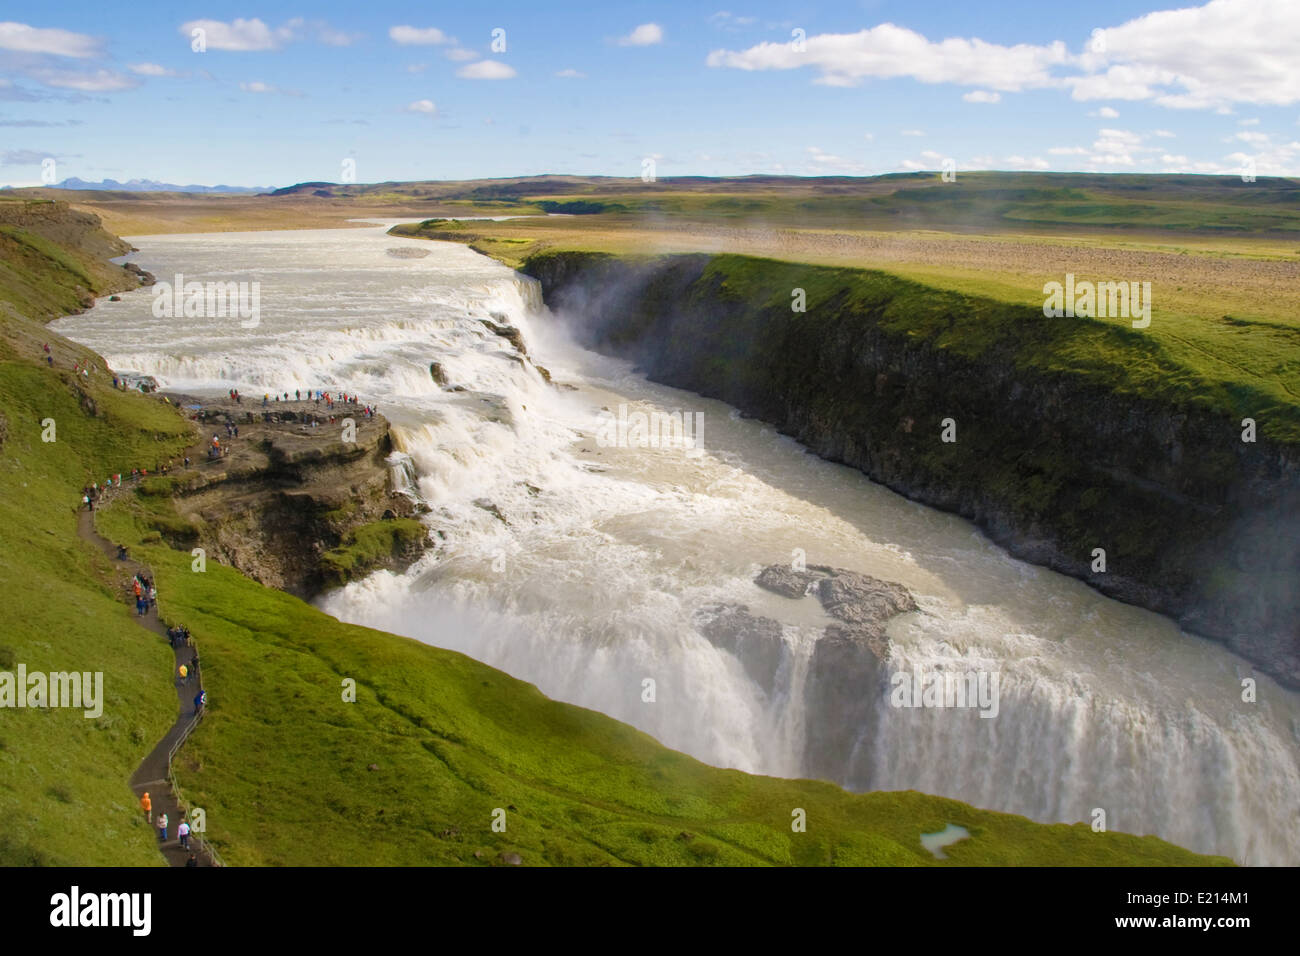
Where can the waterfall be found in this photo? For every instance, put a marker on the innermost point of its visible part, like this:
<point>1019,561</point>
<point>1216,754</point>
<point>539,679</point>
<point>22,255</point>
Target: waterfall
<point>582,567</point>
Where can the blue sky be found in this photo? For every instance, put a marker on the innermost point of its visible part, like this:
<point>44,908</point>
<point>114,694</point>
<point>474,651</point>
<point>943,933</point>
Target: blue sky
<point>285,93</point>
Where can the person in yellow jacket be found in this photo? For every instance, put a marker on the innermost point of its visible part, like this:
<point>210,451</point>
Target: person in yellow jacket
<point>147,806</point>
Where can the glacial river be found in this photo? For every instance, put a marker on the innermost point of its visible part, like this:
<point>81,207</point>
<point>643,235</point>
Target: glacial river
<point>581,566</point>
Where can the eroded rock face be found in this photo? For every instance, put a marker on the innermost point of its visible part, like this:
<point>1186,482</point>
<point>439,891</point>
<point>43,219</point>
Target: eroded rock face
<point>847,674</point>
<point>756,641</point>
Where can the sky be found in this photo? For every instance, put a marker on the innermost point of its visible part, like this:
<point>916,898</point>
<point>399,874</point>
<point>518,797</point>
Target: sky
<point>260,93</point>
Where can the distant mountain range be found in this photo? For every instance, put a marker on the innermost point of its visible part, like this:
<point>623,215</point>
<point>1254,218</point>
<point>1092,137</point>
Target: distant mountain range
<point>151,186</point>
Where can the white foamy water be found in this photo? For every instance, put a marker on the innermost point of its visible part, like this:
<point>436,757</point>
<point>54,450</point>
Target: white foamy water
<point>588,586</point>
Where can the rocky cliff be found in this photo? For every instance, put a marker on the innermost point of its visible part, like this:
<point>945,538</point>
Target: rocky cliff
<point>1058,461</point>
<point>294,506</point>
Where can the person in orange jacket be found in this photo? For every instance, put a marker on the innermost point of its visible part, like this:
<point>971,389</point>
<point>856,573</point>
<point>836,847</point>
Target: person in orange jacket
<point>147,806</point>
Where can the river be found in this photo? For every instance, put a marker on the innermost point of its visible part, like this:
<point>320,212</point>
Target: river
<point>581,566</point>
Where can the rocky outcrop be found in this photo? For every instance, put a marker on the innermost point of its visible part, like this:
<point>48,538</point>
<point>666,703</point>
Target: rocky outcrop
<point>757,642</point>
<point>847,674</point>
<point>1052,463</point>
<point>509,333</point>
<point>287,504</point>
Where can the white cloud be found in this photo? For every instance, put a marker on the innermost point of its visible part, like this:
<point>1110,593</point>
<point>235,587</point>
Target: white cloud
<point>888,51</point>
<point>1115,147</point>
<point>150,69</point>
<point>981,96</point>
<point>725,20</point>
<point>99,81</point>
<point>257,86</point>
<point>1020,162</point>
<point>1207,57</point>
<point>647,34</point>
<point>1163,133</point>
<point>422,106</point>
<point>486,70</point>
<point>571,74</point>
<point>26,39</point>
<point>824,162</point>
<point>1105,112</point>
<point>331,37</point>
<point>1248,122</point>
<point>418,36</point>
<point>242,35</point>
<point>1067,151</point>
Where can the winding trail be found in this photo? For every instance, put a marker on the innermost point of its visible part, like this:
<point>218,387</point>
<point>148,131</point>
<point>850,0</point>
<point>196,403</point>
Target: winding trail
<point>154,773</point>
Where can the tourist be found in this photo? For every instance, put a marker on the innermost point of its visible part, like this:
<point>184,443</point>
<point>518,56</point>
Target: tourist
<point>185,674</point>
<point>147,806</point>
<point>200,699</point>
<point>192,861</point>
<point>183,832</point>
<point>162,828</point>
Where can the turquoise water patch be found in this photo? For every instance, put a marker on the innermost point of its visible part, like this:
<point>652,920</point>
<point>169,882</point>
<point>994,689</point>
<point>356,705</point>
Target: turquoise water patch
<point>935,842</point>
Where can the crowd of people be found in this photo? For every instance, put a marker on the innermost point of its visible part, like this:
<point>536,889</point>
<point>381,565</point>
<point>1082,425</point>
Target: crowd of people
<point>182,826</point>
<point>318,397</point>
<point>146,595</point>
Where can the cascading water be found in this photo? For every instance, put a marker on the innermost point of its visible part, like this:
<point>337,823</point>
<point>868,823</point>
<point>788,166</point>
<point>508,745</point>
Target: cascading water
<point>582,566</point>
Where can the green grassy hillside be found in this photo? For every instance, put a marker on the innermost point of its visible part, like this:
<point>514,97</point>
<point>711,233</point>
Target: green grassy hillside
<point>411,773</point>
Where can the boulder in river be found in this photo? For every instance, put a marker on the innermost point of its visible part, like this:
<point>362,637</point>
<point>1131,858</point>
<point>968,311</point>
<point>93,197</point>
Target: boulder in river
<point>785,581</point>
<point>509,333</point>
